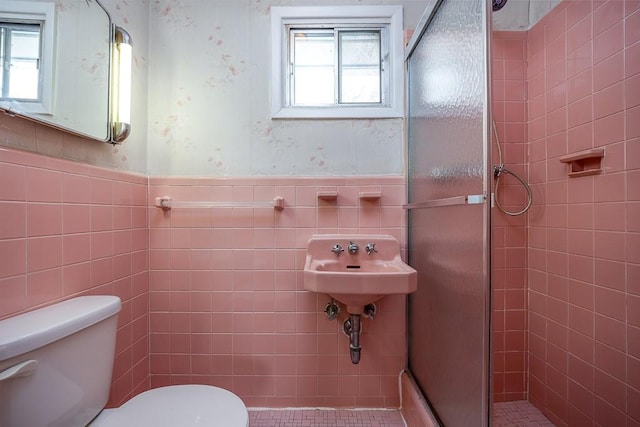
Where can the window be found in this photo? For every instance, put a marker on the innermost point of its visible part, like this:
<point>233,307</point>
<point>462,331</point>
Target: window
<point>20,58</point>
<point>26,55</point>
<point>335,66</point>
<point>340,62</point>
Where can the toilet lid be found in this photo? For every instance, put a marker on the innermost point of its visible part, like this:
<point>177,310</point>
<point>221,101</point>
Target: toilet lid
<point>183,406</point>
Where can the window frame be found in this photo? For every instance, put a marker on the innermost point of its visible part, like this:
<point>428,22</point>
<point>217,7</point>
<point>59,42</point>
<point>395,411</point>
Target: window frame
<point>284,18</point>
<point>42,14</point>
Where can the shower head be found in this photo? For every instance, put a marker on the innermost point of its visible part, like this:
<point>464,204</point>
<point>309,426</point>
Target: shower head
<point>498,4</point>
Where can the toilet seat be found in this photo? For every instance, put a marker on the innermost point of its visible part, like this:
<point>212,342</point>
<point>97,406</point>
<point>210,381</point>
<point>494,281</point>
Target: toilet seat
<point>180,405</point>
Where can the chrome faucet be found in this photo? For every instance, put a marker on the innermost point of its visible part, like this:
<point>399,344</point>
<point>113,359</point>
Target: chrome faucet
<point>337,249</point>
<point>353,248</point>
<point>370,248</point>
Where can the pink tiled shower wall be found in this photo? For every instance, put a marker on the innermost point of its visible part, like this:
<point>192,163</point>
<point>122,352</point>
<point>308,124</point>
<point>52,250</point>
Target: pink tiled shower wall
<point>227,303</point>
<point>583,79</point>
<point>68,230</point>
<point>509,245</point>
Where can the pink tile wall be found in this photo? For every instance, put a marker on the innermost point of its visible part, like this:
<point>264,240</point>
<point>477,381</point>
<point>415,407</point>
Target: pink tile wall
<point>509,356</point>
<point>70,230</point>
<point>227,303</point>
<point>583,78</point>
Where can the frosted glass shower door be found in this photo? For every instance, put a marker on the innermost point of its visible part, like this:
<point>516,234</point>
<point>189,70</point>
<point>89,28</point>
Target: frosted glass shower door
<point>449,223</point>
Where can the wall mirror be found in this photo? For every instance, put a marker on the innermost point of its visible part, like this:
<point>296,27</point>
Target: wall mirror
<point>56,64</point>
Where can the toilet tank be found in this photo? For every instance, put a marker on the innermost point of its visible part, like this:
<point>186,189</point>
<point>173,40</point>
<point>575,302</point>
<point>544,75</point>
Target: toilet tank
<point>56,362</point>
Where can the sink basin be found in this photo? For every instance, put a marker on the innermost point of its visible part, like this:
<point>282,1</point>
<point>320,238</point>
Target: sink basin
<point>357,279</point>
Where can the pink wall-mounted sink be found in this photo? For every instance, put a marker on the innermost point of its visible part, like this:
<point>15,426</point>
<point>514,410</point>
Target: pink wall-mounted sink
<point>357,278</point>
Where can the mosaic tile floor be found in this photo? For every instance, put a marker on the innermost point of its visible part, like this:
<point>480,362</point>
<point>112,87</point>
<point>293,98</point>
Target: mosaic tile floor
<point>506,414</point>
<point>518,414</point>
<point>324,418</point>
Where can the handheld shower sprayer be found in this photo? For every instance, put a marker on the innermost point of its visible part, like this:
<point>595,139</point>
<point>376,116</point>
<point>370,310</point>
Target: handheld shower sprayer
<point>498,170</point>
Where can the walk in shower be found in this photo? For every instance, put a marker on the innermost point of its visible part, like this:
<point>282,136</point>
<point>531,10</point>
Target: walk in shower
<point>538,309</point>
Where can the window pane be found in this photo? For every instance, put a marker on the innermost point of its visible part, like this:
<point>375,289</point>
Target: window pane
<point>313,67</point>
<point>360,67</point>
<point>314,48</point>
<point>25,54</point>
<point>314,86</point>
<point>21,50</point>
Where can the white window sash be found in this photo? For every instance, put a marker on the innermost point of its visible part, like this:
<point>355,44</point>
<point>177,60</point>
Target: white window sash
<point>284,18</point>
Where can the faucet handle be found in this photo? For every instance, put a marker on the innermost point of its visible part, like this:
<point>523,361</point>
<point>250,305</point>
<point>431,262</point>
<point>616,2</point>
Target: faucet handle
<point>353,248</point>
<point>370,248</point>
<point>337,249</point>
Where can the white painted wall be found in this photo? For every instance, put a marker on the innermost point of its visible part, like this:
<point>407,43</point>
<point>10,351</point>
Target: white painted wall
<point>209,100</point>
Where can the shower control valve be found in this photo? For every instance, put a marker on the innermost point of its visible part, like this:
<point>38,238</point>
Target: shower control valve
<point>371,248</point>
<point>337,249</point>
<point>353,248</point>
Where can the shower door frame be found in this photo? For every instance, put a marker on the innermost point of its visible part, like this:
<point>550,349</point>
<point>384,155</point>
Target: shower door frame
<point>431,9</point>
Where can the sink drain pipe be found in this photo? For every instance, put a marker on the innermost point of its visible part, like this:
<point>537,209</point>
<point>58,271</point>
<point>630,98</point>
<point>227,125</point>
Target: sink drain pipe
<point>354,336</point>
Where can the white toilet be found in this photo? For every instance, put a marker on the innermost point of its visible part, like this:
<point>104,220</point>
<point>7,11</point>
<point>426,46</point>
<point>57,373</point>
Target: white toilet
<point>55,370</point>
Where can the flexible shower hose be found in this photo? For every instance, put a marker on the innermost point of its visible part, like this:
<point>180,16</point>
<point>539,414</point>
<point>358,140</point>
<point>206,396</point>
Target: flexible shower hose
<point>499,170</point>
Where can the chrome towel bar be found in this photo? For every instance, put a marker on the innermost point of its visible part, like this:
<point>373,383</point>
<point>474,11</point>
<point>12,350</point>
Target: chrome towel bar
<point>471,199</point>
<point>165,203</point>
